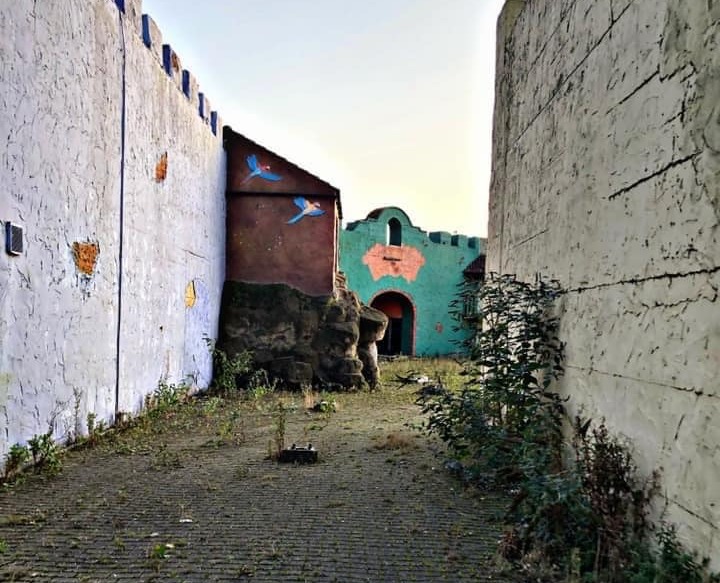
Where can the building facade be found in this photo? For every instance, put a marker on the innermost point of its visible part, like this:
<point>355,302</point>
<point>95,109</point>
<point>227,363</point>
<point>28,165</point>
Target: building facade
<point>282,221</point>
<point>410,275</point>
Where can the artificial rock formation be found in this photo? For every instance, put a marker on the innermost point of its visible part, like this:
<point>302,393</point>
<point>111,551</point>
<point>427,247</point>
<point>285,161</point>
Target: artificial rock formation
<point>300,339</point>
<point>373,324</point>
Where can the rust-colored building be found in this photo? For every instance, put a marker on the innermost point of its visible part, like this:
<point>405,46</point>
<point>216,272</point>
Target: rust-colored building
<point>282,221</point>
<point>283,299</point>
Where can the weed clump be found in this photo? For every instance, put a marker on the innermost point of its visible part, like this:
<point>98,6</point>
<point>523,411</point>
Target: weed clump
<point>16,458</point>
<point>227,370</point>
<point>45,453</point>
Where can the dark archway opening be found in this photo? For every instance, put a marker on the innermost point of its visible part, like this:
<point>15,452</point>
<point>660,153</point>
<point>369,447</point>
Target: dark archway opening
<point>399,336</point>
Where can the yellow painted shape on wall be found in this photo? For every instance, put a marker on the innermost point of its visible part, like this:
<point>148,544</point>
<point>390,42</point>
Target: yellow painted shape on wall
<point>190,297</point>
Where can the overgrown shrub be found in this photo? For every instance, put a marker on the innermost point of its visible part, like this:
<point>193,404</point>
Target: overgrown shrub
<point>504,420</point>
<point>584,521</point>
<point>666,562</point>
<point>616,497</point>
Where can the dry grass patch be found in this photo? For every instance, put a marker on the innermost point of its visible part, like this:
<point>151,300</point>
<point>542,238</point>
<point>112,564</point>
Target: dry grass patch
<point>445,370</point>
<point>395,441</point>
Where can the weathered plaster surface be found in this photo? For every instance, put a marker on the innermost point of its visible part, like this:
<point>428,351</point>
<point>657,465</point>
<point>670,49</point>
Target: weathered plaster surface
<point>605,176</point>
<point>175,232</point>
<point>67,68</point>
<point>58,121</point>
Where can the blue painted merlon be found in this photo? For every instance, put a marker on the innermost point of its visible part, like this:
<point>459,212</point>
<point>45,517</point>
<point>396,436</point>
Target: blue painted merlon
<point>154,37</point>
<point>170,62</point>
<point>167,59</point>
<point>186,82</point>
<point>147,39</point>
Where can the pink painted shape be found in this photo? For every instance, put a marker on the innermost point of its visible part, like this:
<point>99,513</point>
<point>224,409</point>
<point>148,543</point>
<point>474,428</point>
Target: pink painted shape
<point>393,261</point>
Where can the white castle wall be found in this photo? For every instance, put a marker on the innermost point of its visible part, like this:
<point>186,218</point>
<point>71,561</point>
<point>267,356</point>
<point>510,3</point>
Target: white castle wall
<point>606,175</point>
<point>89,114</point>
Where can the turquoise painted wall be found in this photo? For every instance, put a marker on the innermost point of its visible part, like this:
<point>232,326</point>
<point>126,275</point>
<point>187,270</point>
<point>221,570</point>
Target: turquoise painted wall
<point>426,267</point>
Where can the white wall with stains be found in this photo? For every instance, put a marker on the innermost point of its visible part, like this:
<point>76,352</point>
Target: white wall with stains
<point>89,116</point>
<point>606,176</point>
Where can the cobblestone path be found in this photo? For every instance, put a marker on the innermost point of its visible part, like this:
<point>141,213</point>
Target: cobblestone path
<point>193,497</point>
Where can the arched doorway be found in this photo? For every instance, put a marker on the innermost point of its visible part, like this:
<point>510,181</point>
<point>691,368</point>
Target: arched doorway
<point>400,335</point>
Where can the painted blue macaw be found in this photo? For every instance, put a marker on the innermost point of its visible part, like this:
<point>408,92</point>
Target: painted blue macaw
<point>309,209</point>
<point>258,170</point>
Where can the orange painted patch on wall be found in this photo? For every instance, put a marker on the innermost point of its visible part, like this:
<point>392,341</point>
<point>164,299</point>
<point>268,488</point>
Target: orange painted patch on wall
<point>394,261</point>
<point>85,255</point>
<point>161,168</point>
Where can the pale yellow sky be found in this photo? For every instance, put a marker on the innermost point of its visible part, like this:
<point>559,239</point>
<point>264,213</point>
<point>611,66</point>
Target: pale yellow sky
<point>388,100</point>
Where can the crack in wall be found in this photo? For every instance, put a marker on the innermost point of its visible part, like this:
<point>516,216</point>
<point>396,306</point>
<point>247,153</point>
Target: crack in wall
<point>677,430</point>
<point>615,375</point>
<point>642,85</point>
<point>613,19</point>
<point>692,513</point>
<point>679,303</point>
<point>634,281</point>
<point>527,240</point>
<point>541,52</point>
<point>563,81</point>
<point>655,174</point>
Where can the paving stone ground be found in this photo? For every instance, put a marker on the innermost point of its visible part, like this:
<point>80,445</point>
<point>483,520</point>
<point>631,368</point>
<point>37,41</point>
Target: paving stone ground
<point>193,497</point>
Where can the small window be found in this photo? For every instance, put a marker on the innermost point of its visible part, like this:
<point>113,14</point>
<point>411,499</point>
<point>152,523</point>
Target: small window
<point>394,232</point>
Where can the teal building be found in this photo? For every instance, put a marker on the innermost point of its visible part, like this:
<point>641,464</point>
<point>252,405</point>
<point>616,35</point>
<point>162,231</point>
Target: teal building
<point>412,276</point>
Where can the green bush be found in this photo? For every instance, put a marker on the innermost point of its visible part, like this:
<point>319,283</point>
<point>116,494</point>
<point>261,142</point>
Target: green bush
<point>504,418</point>
<point>582,521</point>
<point>16,458</point>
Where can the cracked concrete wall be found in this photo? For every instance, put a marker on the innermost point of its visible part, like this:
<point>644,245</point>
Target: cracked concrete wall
<point>606,170</point>
<point>77,77</point>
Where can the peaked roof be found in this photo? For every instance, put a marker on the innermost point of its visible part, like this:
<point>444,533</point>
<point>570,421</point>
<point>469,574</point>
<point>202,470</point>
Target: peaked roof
<point>295,179</point>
